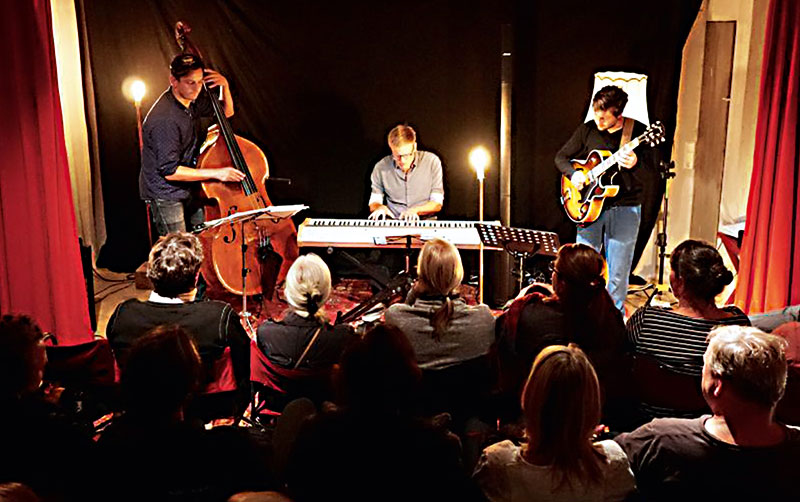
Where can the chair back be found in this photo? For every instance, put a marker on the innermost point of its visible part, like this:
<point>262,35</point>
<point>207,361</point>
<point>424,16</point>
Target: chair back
<point>221,377</point>
<point>658,385</point>
<point>462,390</point>
<point>89,364</point>
<point>788,410</point>
<point>277,386</point>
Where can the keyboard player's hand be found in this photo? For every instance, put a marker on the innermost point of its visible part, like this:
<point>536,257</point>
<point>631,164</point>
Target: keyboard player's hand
<point>380,214</point>
<point>409,214</point>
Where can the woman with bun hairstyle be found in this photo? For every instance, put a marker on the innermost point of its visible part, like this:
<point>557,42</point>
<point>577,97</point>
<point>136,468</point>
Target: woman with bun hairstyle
<point>676,336</point>
<point>580,310</point>
<point>303,340</point>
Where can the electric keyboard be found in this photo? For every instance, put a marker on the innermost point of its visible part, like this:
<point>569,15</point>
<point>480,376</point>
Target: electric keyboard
<point>329,232</point>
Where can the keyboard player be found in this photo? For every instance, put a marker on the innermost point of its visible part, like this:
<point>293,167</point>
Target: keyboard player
<point>408,183</point>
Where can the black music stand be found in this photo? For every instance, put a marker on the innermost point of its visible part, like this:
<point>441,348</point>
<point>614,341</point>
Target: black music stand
<point>520,243</point>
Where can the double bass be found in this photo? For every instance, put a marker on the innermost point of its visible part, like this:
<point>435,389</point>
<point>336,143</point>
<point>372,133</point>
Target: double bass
<point>270,245</point>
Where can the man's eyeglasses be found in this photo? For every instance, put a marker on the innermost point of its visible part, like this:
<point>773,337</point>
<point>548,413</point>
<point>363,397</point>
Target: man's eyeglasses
<point>404,156</point>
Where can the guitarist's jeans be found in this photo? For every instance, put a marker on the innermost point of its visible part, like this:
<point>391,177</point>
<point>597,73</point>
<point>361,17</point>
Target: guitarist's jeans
<point>613,234</point>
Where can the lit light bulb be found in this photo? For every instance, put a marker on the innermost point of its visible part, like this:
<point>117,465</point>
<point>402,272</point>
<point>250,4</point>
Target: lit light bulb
<point>479,160</point>
<point>137,91</point>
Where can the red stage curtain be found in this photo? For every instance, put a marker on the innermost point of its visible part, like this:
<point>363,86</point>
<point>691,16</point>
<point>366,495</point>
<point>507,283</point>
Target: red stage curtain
<point>769,277</point>
<point>40,267</point>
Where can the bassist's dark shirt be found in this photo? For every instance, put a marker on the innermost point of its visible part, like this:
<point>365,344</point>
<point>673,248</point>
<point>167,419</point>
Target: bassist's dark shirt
<point>587,138</point>
<point>172,135</point>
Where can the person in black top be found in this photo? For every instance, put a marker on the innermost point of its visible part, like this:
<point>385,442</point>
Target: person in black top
<point>213,325</point>
<point>44,446</point>
<point>153,452</point>
<point>301,349</point>
<point>172,134</point>
<point>739,452</point>
<point>614,232</point>
<point>578,310</point>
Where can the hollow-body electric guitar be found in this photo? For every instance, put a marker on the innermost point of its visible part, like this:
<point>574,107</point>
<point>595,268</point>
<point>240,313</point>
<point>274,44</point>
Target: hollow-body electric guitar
<point>584,205</point>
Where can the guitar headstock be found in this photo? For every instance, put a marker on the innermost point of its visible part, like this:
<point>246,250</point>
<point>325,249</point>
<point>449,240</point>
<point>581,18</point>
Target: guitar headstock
<point>654,134</point>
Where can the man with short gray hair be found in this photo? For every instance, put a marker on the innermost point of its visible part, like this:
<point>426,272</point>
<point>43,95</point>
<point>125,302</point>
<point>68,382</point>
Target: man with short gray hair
<point>739,450</point>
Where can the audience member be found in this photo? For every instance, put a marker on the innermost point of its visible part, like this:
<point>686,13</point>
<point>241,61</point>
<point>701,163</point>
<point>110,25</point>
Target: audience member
<point>42,446</point>
<point>769,321</point>
<point>152,452</point>
<point>580,310</point>
<point>17,492</point>
<point>442,328</point>
<point>677,336</point>
<point>738,452</point>
<point>373,446</point>
<point>561,407</point>
<point>173,267</point>
<point>303,340</point>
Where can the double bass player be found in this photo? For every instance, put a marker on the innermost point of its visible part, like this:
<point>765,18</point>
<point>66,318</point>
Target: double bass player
<point>172,134</point>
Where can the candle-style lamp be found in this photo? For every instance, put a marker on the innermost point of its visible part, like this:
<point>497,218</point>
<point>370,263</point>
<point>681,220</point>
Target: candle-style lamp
<point>138,90</point>
<point>479,160</point>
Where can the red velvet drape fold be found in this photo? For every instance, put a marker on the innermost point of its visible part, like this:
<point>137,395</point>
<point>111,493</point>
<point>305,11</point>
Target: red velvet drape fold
<point>769,276</point>
<point>40,267</point>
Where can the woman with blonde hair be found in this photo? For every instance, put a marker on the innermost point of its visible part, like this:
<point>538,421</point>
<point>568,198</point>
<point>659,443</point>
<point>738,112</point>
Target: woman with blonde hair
<point>303,340</point>
<point>560,461</point>
<point>442,328</point>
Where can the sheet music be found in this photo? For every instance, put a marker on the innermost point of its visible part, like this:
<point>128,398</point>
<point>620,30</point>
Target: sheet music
<point>279,212</point>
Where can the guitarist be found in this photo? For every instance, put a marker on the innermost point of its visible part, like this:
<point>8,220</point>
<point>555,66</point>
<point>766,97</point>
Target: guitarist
<point>615,230</point>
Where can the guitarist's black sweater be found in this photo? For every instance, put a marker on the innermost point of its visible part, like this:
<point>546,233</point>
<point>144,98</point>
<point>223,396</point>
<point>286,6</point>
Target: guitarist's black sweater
<point>587,138</point>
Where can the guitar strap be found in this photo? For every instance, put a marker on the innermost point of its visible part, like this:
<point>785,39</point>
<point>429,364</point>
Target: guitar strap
<point>627,131</point>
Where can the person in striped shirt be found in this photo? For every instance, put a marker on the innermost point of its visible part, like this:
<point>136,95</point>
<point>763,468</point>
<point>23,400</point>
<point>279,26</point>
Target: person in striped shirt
<point>676,336</point>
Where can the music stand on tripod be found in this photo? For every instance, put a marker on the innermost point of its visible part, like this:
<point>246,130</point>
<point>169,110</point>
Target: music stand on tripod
<point>274,213</point>
<point>520,243</point>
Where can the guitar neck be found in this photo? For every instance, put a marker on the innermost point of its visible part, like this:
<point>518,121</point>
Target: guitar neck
<point>614,159</point>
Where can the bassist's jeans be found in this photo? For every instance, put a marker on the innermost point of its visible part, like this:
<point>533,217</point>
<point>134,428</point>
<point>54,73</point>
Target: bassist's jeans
<point>614,236</point>
<point>171,215</point>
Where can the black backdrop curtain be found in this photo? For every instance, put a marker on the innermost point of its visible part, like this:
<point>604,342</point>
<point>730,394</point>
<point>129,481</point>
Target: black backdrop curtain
<point>319,84</point>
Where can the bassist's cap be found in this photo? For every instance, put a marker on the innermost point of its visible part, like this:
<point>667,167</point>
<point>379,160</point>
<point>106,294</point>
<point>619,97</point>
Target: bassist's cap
<point>183,64</point>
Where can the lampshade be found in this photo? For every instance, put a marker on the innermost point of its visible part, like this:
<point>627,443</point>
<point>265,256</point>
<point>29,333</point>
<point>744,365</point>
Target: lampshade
<point>635,84</point>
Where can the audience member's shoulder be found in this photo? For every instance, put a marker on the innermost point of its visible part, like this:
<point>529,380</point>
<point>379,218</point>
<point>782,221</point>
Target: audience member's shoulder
<point>397,310</point>
<point>340,330</point>
<point>209,304</point>
<point>479,309</point>
<point>502,453</point>
<point>130,303</point>
<point>735,311</point>
<point>661,428</point>
<point>612,450</point>
<point>793,435</point>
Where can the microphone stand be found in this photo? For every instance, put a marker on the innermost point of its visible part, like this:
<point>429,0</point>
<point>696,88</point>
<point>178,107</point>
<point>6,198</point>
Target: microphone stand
<point>665,169</point>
